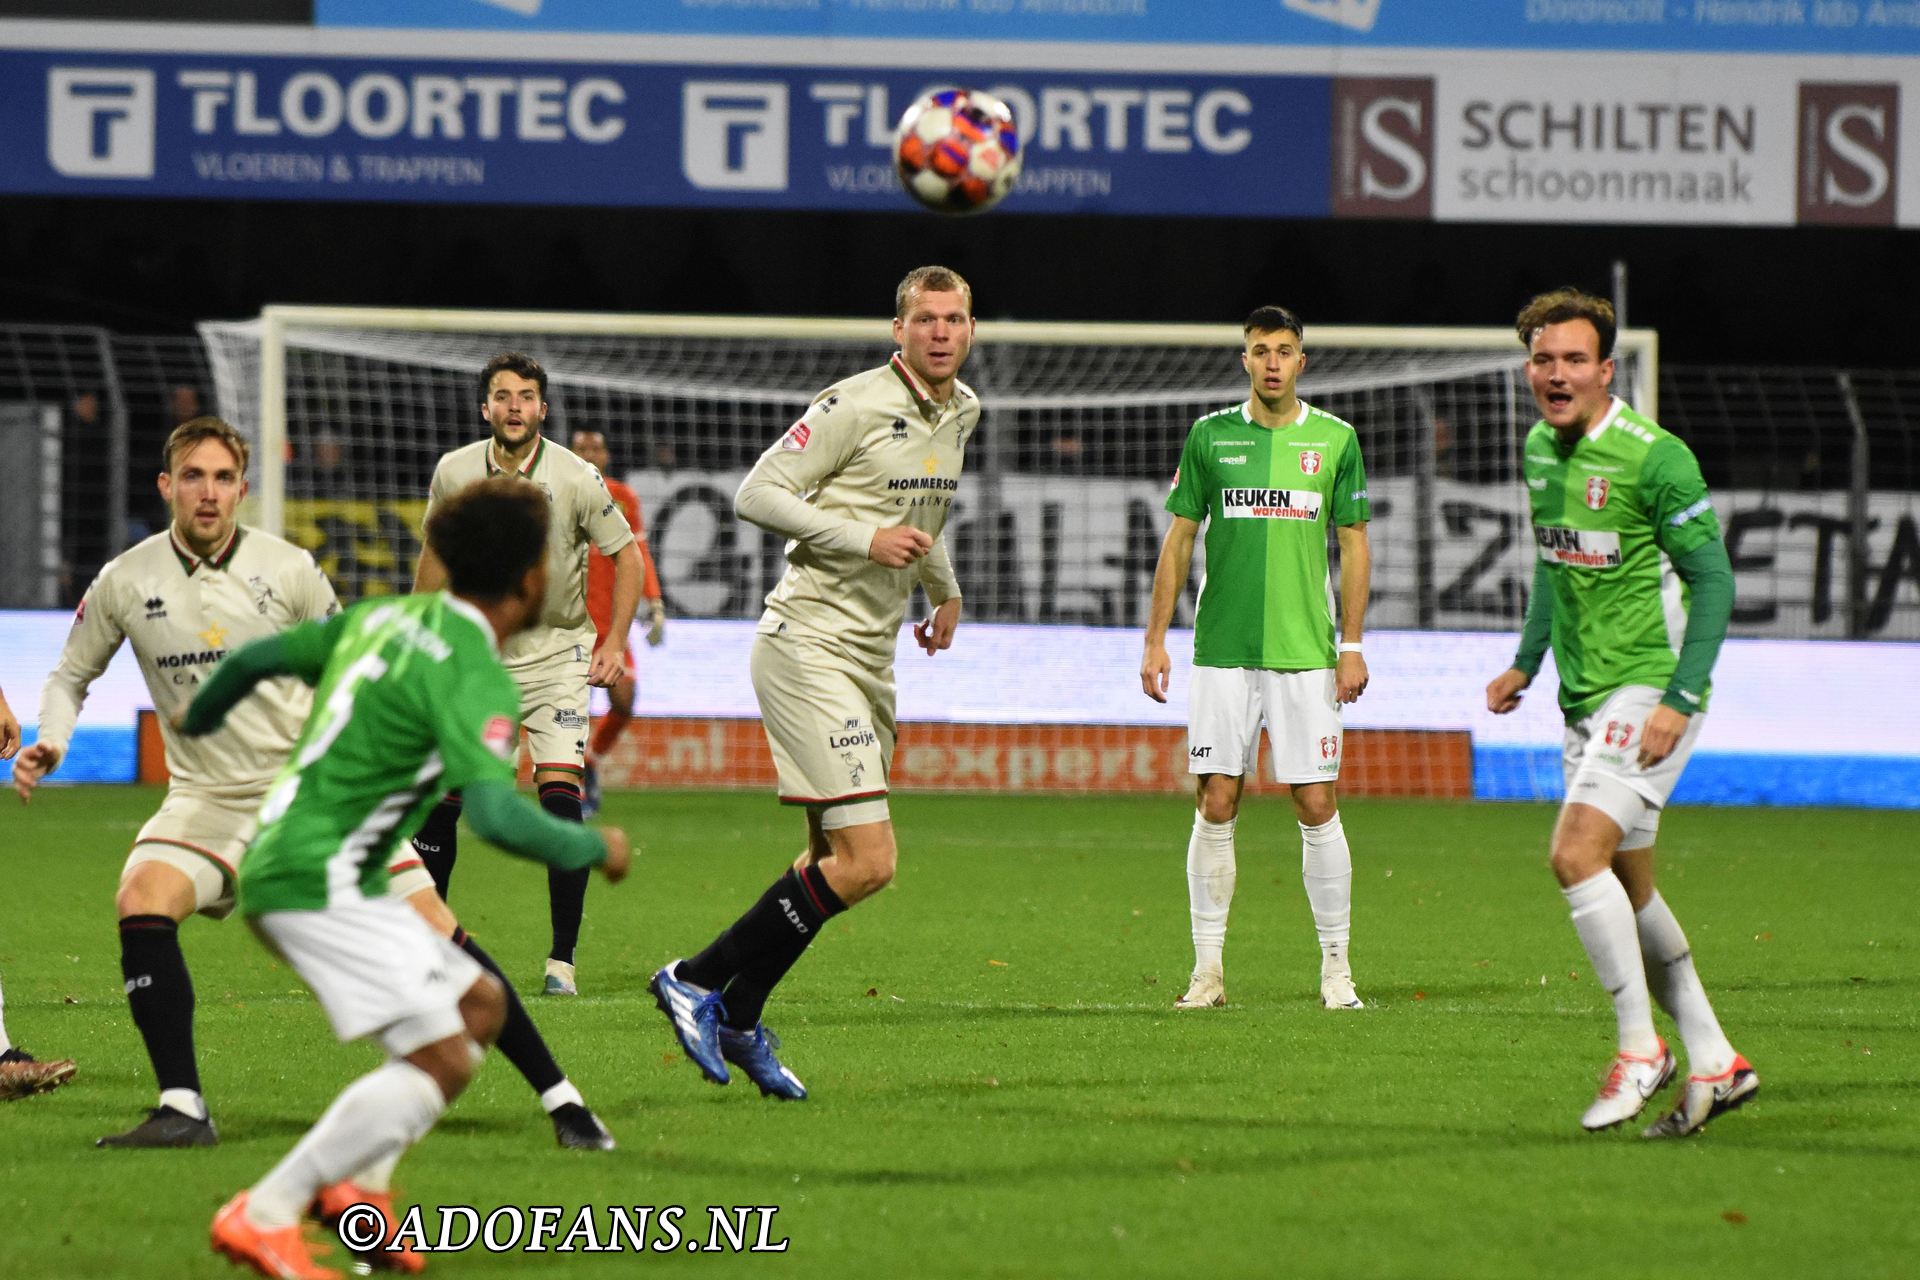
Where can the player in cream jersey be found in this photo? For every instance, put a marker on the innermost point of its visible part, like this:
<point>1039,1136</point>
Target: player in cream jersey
<point>874,450</point>
<point>861,487</point>
<point>554,661</point>
<point>185,598</point>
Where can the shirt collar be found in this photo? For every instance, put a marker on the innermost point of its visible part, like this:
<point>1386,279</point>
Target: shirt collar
<point>526,468</point>
<point>922,398</point>
<point>218,560</point>
<point>1246,411</point>
<point>472,614</point>
<point>1614,406</point>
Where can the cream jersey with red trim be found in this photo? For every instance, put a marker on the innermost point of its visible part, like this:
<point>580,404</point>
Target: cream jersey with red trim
<point>584,516</point>
<point>872,451</point>
<point>183,614</point>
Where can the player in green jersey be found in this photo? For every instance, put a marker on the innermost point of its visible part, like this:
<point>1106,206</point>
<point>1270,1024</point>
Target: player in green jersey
<point>1633,589</point>
<point>410,700</point>
<point>1268,478</point>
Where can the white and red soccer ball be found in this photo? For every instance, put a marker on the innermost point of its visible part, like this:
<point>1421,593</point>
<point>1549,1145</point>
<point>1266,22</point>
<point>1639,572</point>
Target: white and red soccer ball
<point>956,151</point>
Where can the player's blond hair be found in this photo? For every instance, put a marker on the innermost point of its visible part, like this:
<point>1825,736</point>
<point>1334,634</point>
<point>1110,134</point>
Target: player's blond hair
<point>930,280</point>
<point>1562,305</point>
<point>195,431</point>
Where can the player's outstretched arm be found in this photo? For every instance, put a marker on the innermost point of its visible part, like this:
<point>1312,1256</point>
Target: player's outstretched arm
<point>299,651</point>
<point>501,816</point>
<point>1169,577</point>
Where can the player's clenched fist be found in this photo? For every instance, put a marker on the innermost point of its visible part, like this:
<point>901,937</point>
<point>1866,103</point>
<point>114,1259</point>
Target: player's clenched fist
<point>898,546</point>
<point>1503,691</point>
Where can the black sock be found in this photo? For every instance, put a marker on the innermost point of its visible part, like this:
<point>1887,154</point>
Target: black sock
<point>519,1039</point>
<point>566,890</point>
<point>161,995</point>
<point>438,841</point>
<point>755,951</point>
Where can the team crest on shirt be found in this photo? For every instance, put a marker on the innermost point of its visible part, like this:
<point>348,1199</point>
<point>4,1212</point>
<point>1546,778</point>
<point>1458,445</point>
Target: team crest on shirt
<point>80,614</point>
<point>1597,492</point>
<point>1310,462</point>
<point>498,737</point>
<point>262,593</point>
<point>796,438</point>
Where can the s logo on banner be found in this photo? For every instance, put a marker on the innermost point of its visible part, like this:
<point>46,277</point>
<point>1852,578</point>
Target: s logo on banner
<point>733,135</point>
<point>1849,148</point>
<point>100,122</point>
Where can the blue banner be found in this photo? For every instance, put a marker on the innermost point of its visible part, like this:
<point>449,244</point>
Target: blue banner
<point>1862,27</point>
<point>523,132</point>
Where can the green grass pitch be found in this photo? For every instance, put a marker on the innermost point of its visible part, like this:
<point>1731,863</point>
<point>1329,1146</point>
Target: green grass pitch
<point>1000,1086</point>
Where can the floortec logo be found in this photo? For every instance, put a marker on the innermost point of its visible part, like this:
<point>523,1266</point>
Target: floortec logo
<point>100,122</point>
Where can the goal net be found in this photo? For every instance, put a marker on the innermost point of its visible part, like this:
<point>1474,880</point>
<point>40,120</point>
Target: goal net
<point>1054,533</point>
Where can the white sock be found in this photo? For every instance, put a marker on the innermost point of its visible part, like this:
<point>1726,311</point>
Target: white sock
<point>1211,872</point>
<point>1326,868</point>
<point>187,1101</point>
<point>5,1044</point>
<point>560,1095</point>
<point>375,1118</point>
<point>378,1176</point>
<point>1671,977</point>
<point>1603,916</point>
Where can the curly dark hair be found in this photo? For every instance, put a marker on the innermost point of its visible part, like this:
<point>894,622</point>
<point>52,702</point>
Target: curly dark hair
<point>1562,305</point>
<point>489,534</point>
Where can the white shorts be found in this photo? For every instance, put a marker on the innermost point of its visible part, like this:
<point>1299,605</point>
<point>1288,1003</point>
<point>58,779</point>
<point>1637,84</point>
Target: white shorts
<point>373,963</point>
<point>829,723</point>
<point>553,709</point>
<point>1601,761</point>
<point>1226,706</point>
<point>204,835</point>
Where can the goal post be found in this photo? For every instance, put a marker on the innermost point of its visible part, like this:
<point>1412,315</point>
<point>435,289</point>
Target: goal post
<point>1054,533</point>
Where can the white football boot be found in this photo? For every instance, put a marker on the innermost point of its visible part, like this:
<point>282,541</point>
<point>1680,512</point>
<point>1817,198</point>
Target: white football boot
<point>1630,1081</point>
<point>1704,1097</point>
<point>1208,990</point>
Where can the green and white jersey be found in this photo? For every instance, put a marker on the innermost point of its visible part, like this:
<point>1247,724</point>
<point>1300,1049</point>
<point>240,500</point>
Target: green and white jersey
<point>1268,498</point>
<point>1609,514</point>
<point>411,703</point>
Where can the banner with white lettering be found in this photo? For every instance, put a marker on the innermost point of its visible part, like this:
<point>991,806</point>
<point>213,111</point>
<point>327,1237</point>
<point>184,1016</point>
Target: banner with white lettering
<point>568,132</point>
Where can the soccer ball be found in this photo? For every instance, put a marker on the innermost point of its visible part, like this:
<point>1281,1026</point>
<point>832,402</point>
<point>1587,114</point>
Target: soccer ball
<point>956,151</point>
